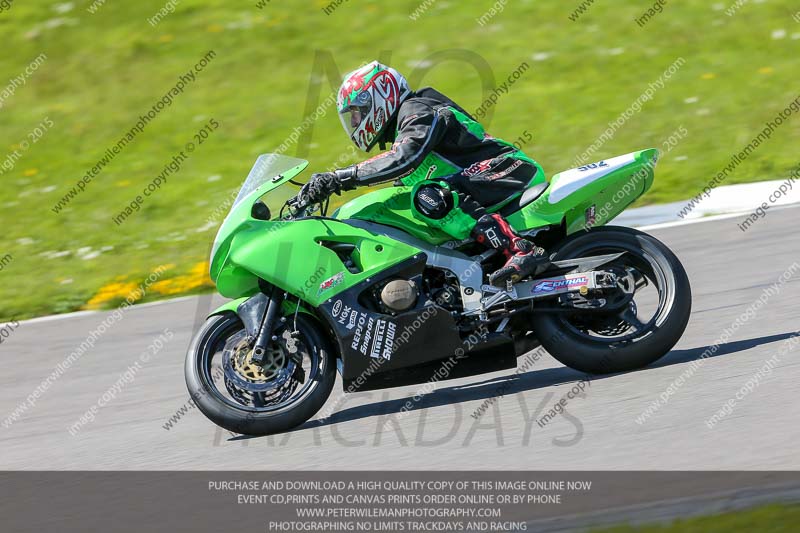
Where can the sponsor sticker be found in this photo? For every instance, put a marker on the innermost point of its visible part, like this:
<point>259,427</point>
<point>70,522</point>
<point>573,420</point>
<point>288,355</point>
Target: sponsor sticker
<point>330,283</point>
<point>353,317</point>
<point>377,341</point>
<point>345,315</point>
<point>373,337</point>
<point>362,320</point>
<point>388,346</point>
<point>506,172</point>
<point>476,168</point>
<point>551,285</point>
<point>591,215</point>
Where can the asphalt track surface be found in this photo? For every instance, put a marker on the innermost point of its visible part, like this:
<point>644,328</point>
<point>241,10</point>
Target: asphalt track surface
<point>729,271</point>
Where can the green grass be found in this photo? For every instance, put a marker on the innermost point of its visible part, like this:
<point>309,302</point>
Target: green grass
<point>767,519</point>
<point>103,70</point>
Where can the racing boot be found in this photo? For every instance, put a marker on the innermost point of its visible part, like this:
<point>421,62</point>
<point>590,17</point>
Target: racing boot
<point>523,258</point>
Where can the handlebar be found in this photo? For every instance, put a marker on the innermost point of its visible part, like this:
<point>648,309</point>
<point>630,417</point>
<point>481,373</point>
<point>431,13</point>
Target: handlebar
<point>298,209</point>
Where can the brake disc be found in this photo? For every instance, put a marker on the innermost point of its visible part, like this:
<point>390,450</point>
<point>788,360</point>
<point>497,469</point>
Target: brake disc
<point>251,384</point>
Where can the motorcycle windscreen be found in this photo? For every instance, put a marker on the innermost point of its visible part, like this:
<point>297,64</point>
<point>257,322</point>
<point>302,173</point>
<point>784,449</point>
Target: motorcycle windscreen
<point>269,168</point>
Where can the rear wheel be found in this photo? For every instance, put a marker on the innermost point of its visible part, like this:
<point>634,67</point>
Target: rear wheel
<point>239,396</point>
<point>649,309</point>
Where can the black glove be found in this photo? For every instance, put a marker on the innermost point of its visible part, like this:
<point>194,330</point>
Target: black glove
<point>323,184</point>
<point>319,187</point>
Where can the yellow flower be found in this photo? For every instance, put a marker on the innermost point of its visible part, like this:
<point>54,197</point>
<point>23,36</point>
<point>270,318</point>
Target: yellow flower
<point>195,279</point>
<point>113,291</point>
<point>215,28</point>
<point>708,76</point>
<point>166,38</point>
<point>766,70</point>
<point>120,289</point>
<point>31,172</point>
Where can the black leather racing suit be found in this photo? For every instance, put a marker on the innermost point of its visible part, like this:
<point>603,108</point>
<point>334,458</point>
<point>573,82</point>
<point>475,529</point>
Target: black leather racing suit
<point>491,169</point>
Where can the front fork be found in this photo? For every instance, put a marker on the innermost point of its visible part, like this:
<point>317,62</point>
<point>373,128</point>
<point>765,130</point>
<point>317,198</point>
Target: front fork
<point>261,316</point>
<point>266,329</point>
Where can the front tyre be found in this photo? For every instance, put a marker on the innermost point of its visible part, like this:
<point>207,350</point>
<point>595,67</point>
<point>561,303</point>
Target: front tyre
<point>621,340</point>
<point>251,400</point>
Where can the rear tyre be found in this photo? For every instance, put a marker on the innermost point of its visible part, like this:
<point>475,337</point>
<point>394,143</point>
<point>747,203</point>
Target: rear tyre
<point>260,402</point>
<point>601,344</point>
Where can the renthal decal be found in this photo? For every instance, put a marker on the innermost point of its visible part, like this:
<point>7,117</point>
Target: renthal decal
<point>476,168</point>
<point>593,166</point>
<point>337,308</point>
<point>550,285</point>
<point>330,283</point>
<point>505,172</point>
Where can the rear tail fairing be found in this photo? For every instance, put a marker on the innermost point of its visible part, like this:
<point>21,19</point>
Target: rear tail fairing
<point>591,195</point>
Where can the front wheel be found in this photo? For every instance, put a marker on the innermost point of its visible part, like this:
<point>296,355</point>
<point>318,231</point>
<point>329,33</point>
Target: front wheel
<point>287,390</point>
<point>651,307</point>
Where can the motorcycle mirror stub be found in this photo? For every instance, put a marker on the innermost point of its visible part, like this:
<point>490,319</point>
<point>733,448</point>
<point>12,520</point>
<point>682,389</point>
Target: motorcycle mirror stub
<point>260,211</point>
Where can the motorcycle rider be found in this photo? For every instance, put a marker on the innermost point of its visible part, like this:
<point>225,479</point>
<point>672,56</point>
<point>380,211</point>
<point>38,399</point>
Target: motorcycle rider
<point>376,105</point>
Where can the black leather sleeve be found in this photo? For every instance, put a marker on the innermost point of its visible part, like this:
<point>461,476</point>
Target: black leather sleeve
<point>420,129</point>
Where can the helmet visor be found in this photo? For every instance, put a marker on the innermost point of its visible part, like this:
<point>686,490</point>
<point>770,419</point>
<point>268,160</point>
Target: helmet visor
<point>353,115</point>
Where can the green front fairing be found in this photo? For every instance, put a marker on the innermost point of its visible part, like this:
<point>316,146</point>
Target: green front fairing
<point>289,255</point>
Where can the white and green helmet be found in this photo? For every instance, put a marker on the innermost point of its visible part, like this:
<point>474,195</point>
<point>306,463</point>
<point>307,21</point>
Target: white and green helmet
<point>368,100</point>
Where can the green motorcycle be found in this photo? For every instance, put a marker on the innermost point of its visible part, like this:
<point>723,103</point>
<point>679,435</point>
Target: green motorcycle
<point>387,299</point>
